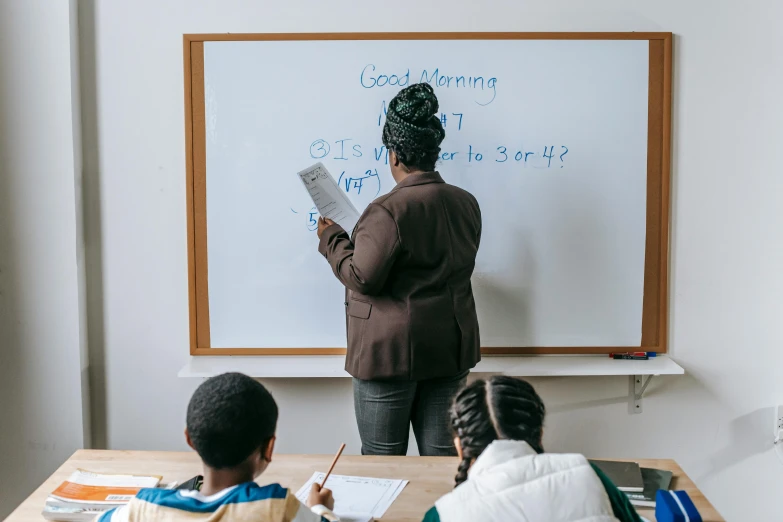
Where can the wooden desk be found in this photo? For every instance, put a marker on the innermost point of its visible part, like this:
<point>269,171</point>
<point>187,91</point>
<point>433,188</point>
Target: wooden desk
<point>429,477</point>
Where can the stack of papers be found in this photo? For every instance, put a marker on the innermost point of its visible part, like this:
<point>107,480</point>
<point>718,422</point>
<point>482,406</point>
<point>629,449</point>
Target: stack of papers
<point>327,197</point>
<point>85,494</point>
<point>357,499</point>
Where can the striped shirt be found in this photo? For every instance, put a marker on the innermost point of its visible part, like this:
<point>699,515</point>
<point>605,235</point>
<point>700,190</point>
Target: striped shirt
<point>242,503</point>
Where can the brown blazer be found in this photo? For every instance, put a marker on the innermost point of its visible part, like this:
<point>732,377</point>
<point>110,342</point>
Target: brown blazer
<point>406,270</point>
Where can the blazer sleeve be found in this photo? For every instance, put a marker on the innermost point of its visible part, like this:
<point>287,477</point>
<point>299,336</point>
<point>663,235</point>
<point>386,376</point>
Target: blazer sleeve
<point>363,265</point>
<point>480,225</point>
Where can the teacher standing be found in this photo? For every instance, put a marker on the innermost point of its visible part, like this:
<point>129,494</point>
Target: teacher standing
<point>413,334</point>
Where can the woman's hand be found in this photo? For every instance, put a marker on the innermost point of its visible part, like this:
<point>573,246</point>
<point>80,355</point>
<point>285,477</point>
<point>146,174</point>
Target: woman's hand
<point>322,224</point>
<point>320,497</point>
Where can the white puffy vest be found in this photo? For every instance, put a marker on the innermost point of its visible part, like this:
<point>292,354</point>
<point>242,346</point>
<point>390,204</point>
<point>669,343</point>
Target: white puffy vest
<point>510,482</point>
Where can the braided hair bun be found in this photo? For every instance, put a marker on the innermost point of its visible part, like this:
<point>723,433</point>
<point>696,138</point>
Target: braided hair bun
<point>412,129</point>
<point>499,408</point>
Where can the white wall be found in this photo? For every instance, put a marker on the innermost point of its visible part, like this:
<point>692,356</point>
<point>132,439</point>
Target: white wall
<point>726,250</point>
<point>42,349</point>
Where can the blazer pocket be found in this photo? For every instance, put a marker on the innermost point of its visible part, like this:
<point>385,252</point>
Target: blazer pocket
<point>359,309</point>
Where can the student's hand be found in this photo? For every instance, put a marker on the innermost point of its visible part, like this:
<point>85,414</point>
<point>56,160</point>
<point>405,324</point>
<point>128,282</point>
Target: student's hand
<point>322,224</point>
<point>320,497</point>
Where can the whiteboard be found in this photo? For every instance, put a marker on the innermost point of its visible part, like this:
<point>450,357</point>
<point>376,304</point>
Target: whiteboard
<point>549,135</point>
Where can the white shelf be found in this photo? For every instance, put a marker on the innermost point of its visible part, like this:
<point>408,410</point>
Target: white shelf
<point>576,365</point>
<point>517,366</point>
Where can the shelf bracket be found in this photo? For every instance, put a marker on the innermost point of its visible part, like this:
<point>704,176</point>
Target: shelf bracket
<point>636,388</point>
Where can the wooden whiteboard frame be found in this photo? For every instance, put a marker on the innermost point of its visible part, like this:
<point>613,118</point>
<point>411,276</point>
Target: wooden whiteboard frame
<point>656,256</point>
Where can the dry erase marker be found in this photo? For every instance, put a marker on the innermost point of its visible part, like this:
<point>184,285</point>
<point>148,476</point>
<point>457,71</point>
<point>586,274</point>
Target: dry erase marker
<point>630,356</point>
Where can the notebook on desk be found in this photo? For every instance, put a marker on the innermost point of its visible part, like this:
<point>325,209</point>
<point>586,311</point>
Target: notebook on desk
<point>627,476</point>
<point>654,480</point>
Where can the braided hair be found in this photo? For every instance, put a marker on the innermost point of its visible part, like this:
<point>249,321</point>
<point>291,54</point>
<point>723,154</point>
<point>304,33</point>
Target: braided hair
<point>412,129</point>
<point>498,408</point>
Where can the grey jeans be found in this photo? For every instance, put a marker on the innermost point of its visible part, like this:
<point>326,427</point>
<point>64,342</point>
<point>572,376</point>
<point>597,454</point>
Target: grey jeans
<point>386,409</point>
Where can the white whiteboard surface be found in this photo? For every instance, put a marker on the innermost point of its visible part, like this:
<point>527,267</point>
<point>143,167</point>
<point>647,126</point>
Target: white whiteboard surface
<point>562,256</point>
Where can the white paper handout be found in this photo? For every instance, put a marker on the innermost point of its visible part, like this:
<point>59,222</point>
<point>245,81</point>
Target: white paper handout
<point>357,498</point>
<point>330,201</point>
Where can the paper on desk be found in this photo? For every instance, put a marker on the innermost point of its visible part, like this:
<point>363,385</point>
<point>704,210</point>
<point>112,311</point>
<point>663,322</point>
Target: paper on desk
<point>357,498</point>
<point>330,201</point>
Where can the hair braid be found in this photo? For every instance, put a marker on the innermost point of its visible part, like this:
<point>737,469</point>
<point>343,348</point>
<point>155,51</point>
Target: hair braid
<point>499,408</point>
<point>471,421</point>
<point>464,465</point>
<point>462,471</point>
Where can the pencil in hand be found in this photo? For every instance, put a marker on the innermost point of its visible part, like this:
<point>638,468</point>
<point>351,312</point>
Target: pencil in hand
<point>334,462</point>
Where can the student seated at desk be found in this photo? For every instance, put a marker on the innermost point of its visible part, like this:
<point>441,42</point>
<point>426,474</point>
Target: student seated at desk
<point>505,476</point>
<point>231,423</point>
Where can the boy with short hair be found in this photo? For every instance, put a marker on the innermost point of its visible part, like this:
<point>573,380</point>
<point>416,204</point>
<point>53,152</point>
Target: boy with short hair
<point>231,423</point>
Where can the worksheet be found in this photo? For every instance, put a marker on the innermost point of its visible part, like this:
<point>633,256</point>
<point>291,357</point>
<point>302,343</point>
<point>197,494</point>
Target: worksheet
<point>327,197</point>
<point>357,498</point>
